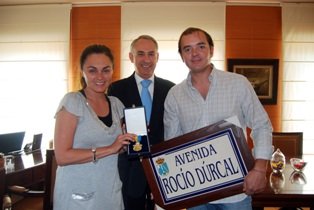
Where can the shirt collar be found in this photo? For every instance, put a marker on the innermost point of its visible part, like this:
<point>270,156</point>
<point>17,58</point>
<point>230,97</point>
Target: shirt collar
<point>210,77</point>
<point>139,79</point>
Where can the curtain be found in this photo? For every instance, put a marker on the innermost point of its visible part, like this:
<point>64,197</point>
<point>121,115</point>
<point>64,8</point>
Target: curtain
<point>298,71</point>
<point>34,46</point>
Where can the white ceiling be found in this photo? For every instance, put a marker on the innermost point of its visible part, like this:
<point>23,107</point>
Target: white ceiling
<point>78,2</point>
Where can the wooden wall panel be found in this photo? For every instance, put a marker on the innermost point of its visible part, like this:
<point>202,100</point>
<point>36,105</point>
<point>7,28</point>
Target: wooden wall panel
<point>253,22</point>
<point>94,25</point>
<point>255,32</point>
<point>253,48</point>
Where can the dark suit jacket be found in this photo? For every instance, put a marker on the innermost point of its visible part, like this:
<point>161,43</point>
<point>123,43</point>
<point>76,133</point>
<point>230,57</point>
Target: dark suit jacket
<point>131,171</point>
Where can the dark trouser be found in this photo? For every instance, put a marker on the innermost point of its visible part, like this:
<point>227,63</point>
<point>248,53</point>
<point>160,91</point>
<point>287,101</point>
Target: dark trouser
<point>142,203</point>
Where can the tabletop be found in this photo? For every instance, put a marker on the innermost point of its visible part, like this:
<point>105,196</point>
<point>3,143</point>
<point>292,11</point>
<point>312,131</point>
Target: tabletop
<point>25,161</point>
<point>289,188</point>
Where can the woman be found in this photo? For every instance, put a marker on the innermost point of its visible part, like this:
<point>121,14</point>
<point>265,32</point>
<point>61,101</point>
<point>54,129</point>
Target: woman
<point>88,139</point>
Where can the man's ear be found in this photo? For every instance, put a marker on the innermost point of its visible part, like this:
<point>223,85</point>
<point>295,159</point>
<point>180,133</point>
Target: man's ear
<point>211,51</point>
<point>131,57</point>
<point>182,58</point>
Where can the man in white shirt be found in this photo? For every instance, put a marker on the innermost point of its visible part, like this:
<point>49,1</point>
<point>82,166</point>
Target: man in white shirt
<point>209,95</point>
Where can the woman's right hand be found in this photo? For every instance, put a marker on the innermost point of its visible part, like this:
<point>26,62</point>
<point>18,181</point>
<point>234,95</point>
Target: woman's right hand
<point>122,141</point>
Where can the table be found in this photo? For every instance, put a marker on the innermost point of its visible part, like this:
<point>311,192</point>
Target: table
<point>29,169</point>
<point>291,189</point>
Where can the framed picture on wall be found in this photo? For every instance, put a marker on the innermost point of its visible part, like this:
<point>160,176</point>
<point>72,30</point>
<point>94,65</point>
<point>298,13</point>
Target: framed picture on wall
<point>262,74</point>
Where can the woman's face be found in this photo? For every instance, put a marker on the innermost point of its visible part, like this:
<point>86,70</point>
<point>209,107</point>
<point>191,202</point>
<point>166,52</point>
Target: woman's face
<point>97,72</point>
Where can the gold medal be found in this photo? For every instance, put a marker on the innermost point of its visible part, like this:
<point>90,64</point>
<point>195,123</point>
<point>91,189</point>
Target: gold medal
<point>137,146</point>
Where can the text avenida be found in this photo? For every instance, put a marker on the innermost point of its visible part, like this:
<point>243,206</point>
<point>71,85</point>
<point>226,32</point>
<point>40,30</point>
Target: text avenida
<point>205,170</point>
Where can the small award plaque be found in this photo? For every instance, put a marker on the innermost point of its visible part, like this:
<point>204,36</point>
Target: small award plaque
<point>135,123</point>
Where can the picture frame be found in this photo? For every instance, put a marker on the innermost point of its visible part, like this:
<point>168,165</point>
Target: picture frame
<point>261,73</point>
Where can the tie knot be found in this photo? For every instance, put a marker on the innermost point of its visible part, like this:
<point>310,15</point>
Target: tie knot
<point>145,83</point>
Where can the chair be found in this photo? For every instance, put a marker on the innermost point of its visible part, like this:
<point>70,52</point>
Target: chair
<point>51,168</point>
<point>290,143</point>
<point>5,202</point>
<point>47,193</point>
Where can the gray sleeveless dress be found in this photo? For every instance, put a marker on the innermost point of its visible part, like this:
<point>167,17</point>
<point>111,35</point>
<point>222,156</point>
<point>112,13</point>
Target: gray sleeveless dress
<point>90,186</point>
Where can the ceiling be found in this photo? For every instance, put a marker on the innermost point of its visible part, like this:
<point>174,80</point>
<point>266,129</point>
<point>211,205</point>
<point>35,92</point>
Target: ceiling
<point>90,2</point>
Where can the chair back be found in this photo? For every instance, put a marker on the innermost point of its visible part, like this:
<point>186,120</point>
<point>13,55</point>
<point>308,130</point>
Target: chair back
<point>289,143</point>
<point>2,187</point>
<point>51,168</point>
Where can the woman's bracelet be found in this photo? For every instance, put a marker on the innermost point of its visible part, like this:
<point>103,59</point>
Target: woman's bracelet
<point>94,155</point>
<point>258,170</point>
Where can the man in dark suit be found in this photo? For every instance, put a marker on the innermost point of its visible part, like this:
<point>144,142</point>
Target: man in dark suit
<point>144,55</point>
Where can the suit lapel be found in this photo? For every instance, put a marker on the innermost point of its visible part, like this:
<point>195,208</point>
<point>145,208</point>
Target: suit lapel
<point>133,93</point>
<point>157,89</point>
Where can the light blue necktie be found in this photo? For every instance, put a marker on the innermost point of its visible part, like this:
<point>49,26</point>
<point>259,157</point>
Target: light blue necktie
<point>146,98</point>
